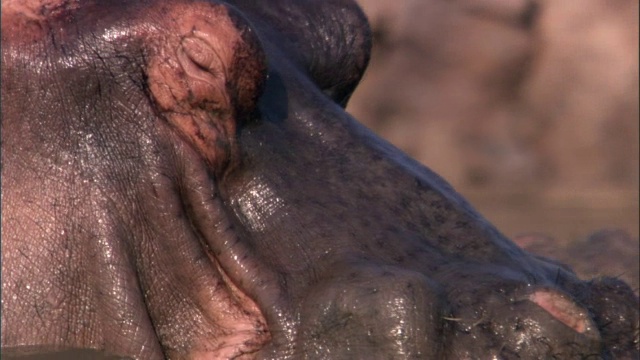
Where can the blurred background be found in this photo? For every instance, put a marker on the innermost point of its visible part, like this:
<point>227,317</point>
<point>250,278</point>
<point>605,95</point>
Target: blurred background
<point>529,108</point>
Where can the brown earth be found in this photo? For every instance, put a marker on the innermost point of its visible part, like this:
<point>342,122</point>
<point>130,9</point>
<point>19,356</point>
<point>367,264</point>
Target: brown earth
<point>529,108</point>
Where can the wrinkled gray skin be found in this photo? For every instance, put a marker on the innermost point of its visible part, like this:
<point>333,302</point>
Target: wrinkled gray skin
<point>180,180</point>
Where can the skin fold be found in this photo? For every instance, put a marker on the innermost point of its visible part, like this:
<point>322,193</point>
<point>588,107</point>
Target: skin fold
<point>180,180</point>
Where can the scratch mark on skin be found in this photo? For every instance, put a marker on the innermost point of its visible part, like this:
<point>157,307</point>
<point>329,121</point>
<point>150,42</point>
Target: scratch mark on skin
<point>25,255</point>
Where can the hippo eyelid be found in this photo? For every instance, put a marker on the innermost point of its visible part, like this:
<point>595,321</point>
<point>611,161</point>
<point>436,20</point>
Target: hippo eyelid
<point>198,51</point>
<point>199,60</point>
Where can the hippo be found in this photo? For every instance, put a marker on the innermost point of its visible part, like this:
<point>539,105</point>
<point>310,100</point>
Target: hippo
<point>180,180</point>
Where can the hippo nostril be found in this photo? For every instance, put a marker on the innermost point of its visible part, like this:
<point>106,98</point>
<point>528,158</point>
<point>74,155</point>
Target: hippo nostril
<point>563,309</point>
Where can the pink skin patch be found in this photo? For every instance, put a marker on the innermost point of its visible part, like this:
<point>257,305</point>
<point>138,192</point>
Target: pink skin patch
<point>22,20</point>
<point>203,75</point>
<point>564,310</point>
<point>189,72</point>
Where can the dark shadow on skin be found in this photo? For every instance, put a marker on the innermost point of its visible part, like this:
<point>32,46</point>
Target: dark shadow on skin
<point>274,98</point>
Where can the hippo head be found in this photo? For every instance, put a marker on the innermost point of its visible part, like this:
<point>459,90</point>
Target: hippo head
<point>180,180</point>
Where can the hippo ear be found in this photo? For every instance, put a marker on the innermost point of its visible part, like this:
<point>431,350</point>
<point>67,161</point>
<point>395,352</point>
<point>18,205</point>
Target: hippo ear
<point>330,39</point>
<point>205,72</point>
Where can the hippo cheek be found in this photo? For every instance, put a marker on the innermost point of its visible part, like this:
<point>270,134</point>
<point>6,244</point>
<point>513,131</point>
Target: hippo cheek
<point>139,125</point>
<point>204,71</point>
<point>190,271</point>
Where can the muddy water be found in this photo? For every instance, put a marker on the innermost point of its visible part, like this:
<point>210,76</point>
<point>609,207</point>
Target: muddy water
<point>596,237</point>
<point>564,221</point>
